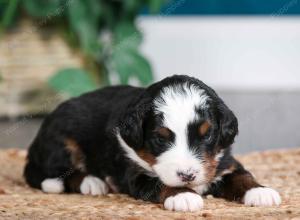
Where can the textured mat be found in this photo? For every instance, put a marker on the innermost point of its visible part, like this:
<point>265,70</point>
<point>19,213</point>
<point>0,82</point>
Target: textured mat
<point>278,169</point>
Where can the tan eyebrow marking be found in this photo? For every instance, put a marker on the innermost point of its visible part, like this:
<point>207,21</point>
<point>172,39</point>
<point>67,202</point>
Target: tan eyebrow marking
<point>204,127</point>
<point>164,132</point>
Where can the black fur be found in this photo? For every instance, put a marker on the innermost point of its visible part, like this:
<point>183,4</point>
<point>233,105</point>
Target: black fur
<point>92,121</point>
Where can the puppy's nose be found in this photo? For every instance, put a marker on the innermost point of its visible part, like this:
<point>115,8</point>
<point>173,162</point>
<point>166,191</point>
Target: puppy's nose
<point>186,177</point>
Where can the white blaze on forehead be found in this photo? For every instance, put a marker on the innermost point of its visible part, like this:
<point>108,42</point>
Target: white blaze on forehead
<point>178,106</point>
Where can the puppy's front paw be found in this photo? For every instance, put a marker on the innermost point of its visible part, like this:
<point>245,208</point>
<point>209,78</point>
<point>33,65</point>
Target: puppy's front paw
<point>186,201</point>
<point>93,185</point>
<point>262,196</point>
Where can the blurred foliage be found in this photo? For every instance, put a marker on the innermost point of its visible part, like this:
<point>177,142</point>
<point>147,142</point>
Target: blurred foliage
<point>104,30</point>
<point>78,81</point>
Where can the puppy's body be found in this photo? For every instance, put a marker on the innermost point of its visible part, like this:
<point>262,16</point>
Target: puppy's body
<point>82,128</point>
<point>167,143</point>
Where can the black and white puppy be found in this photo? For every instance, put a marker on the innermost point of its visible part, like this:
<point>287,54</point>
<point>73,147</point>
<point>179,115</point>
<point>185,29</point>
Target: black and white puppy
<point>168,143</point>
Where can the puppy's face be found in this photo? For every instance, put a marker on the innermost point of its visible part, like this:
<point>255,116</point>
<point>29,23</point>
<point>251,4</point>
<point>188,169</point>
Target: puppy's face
<point>183,132</point>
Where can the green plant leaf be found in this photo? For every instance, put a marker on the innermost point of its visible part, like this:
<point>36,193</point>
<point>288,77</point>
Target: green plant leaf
<point>82,11</point>
<point>95,9</point>
<point>72,81</point>
<point>9,13</point>
<point>127,35</point>
<point>85,26</point>
<point>85,19</point>
<point>131,7</point>
<point>41,8</point>
<point>129,63</point>
<point>155,5</point>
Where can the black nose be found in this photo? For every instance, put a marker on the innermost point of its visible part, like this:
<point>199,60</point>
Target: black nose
<point>186,177</point>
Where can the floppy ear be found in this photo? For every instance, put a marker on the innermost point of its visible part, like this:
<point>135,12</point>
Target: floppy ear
<point>131,124</point>
<point>228,126</point>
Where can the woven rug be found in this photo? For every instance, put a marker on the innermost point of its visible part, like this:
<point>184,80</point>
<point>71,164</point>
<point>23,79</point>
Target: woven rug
<point>278,169</point>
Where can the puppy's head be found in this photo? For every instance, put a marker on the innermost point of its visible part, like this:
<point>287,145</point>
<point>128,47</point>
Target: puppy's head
<point>178,130</point>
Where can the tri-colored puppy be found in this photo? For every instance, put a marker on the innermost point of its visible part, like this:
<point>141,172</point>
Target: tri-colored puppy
<point>168,143</point>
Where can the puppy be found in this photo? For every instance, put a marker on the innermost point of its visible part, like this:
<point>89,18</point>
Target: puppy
<point>168,143</point>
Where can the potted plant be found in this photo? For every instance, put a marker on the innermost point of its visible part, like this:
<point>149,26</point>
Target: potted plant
<point>101,33</point>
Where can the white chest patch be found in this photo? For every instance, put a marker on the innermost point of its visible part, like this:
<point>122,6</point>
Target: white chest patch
<point>131,154</point>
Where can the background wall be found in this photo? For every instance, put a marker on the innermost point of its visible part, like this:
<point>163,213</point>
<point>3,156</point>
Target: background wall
<point>252,62</point>
<point>236,53</point>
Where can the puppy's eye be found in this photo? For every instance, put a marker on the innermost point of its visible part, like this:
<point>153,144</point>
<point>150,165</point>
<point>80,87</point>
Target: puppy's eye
<point>160,140</point>
<point>204,128</point>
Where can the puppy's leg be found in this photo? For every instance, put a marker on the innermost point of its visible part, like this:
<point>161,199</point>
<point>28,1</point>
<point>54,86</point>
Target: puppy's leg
<point>46,168</point>
<point>80,182</point>
<point>60,167</point>
<point>176,199</point>
<point>240,185</point>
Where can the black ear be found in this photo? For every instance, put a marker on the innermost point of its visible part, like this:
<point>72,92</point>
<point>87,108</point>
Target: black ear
<point>228,126</point>
<point>131,123</point>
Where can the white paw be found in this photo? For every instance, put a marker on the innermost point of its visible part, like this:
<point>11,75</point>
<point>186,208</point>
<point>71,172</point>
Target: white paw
<point>186,201</point>
<point>54,185</point>
<point>93,185</point>
<point>262,196</point>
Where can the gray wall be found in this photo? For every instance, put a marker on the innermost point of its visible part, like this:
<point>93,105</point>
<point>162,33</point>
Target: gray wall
<point>267,120</point>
